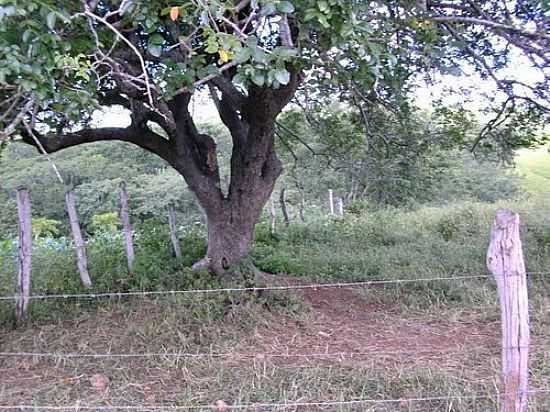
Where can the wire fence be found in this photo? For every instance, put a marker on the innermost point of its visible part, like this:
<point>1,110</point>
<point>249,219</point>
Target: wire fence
<point>271,406</point>
<point>376,352</point>
<point>314,286</point>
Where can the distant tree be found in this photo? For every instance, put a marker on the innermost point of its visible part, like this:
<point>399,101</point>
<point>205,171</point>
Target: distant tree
<point>62,59</point>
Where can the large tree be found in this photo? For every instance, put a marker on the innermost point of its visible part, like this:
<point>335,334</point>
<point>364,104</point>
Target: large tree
<point>63,58</point>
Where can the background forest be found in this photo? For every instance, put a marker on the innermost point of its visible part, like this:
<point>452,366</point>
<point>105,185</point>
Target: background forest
<point>425,161</point>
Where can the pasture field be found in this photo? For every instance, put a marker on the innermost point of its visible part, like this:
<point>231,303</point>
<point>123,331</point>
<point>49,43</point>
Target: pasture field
<point>534,166</point>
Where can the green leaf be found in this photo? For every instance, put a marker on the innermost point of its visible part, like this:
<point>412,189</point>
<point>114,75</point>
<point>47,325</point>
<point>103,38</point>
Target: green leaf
<point>285,7</point>
<point>268,9</point>
<point>282,76</point>
<point>243,54</point>
<point>258,79</point>
<point>156,39</point>
<point>155,49</point>
<point>323,6</point>
<point>50,20</point>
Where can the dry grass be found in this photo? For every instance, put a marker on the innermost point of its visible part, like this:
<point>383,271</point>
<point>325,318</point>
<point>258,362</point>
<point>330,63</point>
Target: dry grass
<point>403,354</point>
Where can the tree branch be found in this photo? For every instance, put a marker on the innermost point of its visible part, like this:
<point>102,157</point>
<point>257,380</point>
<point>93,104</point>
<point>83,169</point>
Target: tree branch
<point>488,23</point>
<point>143,138</point>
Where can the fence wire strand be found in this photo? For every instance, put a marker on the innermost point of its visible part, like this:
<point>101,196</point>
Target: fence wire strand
<point>256,356</point>
<point>335,285</point>
<point>260,405</point>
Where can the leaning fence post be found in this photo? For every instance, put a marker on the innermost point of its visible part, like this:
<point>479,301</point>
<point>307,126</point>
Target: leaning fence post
<point>174,231</point>
<point>272,215</point>
<point>25,250</point>
<point>82,260</point>
<point>127,227</point>
<point>341,206</point>
<point>505,261</point>
<point>282,201</point>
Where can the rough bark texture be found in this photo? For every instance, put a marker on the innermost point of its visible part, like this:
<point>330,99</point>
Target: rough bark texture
<point>81,258</point>
<point>505,262</point>
<point>23,284</point>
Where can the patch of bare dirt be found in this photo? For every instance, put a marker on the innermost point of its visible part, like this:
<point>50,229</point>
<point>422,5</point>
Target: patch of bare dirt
<point>343,322</point>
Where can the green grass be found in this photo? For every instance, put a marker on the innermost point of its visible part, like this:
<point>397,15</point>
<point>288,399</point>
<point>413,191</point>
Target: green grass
<point>386,244</point>
<point>534,165</point>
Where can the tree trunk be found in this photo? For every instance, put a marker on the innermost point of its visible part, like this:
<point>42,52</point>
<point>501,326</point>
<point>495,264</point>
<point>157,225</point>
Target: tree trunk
<point>232,218</point>
<point>230,234</point>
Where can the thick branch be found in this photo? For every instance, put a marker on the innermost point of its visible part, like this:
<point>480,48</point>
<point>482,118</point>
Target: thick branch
<point>143,138</point>
<point>229,91</point>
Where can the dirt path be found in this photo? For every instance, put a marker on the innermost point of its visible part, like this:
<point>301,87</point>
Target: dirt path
<point>343,322</point>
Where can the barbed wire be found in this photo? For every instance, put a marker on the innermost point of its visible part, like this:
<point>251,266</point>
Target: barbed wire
<point>257,356</point>
<point>262,405</point>
<point>335,285</point>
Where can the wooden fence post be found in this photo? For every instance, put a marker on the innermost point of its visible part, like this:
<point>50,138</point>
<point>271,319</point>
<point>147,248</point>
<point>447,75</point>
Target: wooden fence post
<point>25,254</point>
<point>273,215</point>
<point>505,261</point>
<point>174,231</point>
<point>331,201</point>
<point>127,227</point>
<point>341,206</point>
<point>82,260</point>
<point>282,201</point>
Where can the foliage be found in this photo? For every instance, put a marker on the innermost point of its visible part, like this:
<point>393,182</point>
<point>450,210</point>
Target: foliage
<point>105,222</point>
<point>95,172</point>
<point>396,161</point>
<point>43,227</point>
<point>392,243</point>
<point>371,245</point>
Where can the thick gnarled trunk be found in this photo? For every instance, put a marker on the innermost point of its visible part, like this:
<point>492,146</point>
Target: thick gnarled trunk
<point>230,235</point>
<point>232,218</point>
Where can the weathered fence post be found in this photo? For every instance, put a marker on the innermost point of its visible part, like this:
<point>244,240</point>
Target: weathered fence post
<point>331,201</point>
<point>82,260</point>
<point>127,227</point>
<point>272,214</point>
<point>505,262</point>
<point>25,252</point>
<point>282,201</point>
<point>174,231</point>
<point>341,206</point>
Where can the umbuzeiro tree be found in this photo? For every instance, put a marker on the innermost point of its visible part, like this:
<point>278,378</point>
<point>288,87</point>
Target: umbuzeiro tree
<point>63,59</point>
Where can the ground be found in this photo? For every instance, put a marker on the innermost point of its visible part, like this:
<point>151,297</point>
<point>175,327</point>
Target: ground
<point>397,353</point>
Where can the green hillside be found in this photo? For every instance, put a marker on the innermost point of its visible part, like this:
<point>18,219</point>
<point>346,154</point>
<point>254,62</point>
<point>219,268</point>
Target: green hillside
<point>534,165</point>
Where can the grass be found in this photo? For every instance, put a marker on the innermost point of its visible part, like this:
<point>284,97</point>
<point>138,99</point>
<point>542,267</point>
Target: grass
<point>428,339</point>
<point>534,165</point>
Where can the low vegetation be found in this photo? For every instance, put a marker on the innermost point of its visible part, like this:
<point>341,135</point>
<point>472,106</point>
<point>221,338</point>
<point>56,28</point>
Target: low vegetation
<point>428,339</point>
